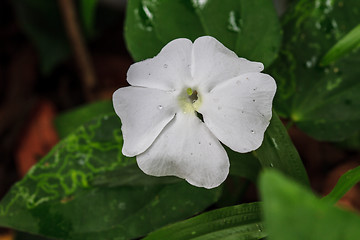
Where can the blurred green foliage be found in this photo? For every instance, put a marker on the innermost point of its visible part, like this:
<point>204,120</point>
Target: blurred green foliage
<point>293,212</point>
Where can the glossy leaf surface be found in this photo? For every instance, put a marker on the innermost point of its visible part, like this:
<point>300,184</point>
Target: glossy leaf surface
<point>323,101</point>
<point>293,212</point>
<point>241,222</point>
<point>250,28</point>
<point>62,196</point>
<point>277,151</point>
<point>350,42</point>
<point>68,122</point>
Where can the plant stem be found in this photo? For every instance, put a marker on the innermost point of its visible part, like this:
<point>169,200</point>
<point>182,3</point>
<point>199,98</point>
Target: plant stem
<point>77,42</point>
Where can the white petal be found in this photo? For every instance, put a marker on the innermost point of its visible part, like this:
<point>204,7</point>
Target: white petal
<point>187,149</point>
<point>213,63</point>
<point>144,113</point>
<point>239,110</point>
<point>167,70</point>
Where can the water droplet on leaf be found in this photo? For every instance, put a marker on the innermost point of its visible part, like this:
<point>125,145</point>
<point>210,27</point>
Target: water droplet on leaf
<point>234,22</point>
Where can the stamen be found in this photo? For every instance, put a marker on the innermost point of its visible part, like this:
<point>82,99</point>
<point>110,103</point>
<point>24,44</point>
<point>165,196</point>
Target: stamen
<point>194,96</point>
<point>189,91</point>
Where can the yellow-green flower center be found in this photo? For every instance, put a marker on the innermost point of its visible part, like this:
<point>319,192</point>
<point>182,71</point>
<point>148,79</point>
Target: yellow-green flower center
<point>189,100</point>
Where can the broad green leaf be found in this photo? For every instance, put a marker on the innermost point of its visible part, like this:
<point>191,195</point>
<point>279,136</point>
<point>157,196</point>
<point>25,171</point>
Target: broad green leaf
<point>277,151</point>
<point>62,196</point>
<point>345,183</point>
<point>348,43</point>
<point>250,28</point>
<point>244,165</point>
<point>323,101</point>
<point>130,176</point>
<point>68,122</point>
<point>352,143</point>
<point>291,211</point>
<point>241,222</point>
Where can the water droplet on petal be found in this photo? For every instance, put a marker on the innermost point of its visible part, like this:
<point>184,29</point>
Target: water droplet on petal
<point>210,143</point>
<point>254,100</point>
<point>238,82</point>
<point>219,108</point>
<point>160,107</point>
<point>252,131</point>
<point>199,142</point>
<point>165,65</point>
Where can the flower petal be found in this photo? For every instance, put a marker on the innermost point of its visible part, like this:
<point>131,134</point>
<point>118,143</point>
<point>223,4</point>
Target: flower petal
<point>144,113</point>
<point>165,71</point>
<point>213,63</point>
<point>238,111</point>
<point>187,149</point>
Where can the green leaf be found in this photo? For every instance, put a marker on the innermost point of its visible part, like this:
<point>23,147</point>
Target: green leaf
<point>27,236</point>
<point>87,9</point>
<point>237,222</point>
<point>41,20</point>
<point>68,122</point>
<point>130,176</point>
<point>244,165</point>
<point>348,43</point>
<point>291,211</point>
<point>323,101</point>
<point>277,151</point>
<point>66,195</point>
<point>345,183</point>
<point>250,28</point>
<point>351,143</point>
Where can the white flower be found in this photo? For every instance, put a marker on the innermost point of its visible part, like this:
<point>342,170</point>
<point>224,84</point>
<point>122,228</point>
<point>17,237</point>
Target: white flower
<point>160,110</point>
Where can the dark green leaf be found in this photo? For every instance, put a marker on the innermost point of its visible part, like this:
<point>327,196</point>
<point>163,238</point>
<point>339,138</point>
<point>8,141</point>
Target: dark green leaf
<point>62,196</point>
<point>27,236</point>
<point>352,143</point>
<point>291,211</point>
<point>68,122</point>
<point>250,28</point>
<point>237,222</point>
<point>322,101</point>
<point>350,42</point>
<point>244,165</point>
<point>41,20</point>
<point>88,9</point>
<point>277,151</point>
<point>345,183</point>
<point>130,176</point>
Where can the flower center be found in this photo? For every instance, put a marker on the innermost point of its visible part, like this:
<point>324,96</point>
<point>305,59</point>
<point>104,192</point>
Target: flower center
<point>189,100</point>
